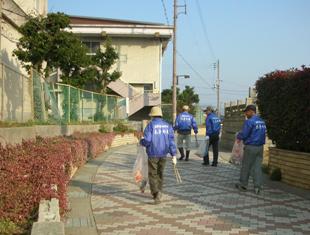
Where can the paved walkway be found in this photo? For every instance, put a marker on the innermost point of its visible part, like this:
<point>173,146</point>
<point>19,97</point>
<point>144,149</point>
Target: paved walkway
<point>105,200</point>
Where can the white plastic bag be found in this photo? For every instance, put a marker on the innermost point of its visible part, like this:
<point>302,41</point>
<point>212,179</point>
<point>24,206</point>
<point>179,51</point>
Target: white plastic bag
<point>203,146</point>
<point>237,152</point>
<point>140,169</point>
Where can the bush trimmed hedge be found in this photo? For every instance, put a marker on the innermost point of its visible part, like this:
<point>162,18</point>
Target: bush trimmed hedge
<point>29,170</point>
<point>283,99</point>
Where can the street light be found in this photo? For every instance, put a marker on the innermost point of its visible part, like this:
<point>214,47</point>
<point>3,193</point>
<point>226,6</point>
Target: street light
<point>185,76</point>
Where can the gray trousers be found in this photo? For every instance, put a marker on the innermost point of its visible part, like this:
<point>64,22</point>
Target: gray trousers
<point>156,173</point>
<point>252,164</point>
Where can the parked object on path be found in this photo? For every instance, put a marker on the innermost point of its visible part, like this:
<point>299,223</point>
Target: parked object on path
<point>140,169</point>
<point>237,153</point>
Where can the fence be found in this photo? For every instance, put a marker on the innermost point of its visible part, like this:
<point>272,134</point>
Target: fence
<point>64,103</point>
<point>233,121</point>
<point>15,95</point>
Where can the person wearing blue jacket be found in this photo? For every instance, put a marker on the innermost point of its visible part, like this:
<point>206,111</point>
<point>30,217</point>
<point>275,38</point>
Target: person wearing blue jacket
<point>253,135</point>
<point>213,128</point>
<point>184,124</point>
<point>159,142</point>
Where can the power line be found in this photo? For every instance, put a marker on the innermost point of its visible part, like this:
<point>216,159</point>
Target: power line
<point>205,29</point>
<point>193,69</point>
<point>165,11</point>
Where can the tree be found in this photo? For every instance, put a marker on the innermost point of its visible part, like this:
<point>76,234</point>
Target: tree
<point>186,97</point>
<point>98,76</point>
<point>46,46</point>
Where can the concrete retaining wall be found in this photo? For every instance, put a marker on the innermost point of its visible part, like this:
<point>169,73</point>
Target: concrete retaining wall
<point>15,135</point>
<point>120,140</point>
<point>295,166</point>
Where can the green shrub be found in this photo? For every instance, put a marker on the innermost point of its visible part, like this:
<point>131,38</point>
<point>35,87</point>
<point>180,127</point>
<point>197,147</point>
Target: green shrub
<point>276,174</point>
<point>8,227</point>
<point>265,169</point>
<point>283,101</point>
<point>103,128</point>
<point>121,127</point>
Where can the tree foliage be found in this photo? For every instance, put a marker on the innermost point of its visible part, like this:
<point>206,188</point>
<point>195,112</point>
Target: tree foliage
<point>283,98</point>
<point>46,46</point>
<point>185,97</point>
<point>97,75</point>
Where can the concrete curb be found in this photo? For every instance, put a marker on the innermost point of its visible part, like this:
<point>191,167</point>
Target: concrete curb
<point>49,219</point>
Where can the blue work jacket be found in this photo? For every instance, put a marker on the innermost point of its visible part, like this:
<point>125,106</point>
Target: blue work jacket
<point>159,139</point>
<point>213,124</point>
<point>253,132</point>
<point>185,122</point>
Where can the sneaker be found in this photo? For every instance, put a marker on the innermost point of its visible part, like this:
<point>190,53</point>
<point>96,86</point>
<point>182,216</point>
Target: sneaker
<point>257,191</point>
<point>240,187</point>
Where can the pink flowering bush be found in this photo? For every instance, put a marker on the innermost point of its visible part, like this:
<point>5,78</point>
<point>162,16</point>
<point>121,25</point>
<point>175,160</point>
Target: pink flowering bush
<point>29,170</point>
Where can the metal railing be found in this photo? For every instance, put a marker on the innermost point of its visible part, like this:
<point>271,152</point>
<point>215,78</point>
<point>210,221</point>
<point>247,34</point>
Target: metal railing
<point>68,104</point>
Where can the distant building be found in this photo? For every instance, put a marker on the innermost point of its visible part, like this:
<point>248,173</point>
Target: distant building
<point>140,46</point>
<point>15,86</point>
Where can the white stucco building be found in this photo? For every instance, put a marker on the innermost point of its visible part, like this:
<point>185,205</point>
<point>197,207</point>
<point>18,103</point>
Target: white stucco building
<point>140,46</point>
<point>16,102</point>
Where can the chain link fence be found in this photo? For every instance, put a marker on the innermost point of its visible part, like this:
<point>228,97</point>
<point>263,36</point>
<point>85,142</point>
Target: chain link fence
<point>56,102</point>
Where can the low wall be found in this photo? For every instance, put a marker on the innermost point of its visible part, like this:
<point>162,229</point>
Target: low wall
<point>124,139</point>
<point>295,166</point>
<point>15,135</point>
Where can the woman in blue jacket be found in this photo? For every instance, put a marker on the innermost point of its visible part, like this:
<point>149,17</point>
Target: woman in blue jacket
<point>159,141</point>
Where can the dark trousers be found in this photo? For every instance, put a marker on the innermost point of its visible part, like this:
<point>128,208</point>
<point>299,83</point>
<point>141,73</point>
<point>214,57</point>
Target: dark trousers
<point>214,142</point>
<point>156,173</point>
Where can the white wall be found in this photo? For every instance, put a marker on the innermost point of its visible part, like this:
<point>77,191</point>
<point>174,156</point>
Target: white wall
<point>143,60</point>
<point>15,86</point>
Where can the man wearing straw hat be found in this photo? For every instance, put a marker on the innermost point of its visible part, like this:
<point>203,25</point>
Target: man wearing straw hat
<point>183,125</point>
<point>159,141</point>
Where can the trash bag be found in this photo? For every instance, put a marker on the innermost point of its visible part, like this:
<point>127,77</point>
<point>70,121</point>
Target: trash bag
<point>203,146</point>
<point>140,169</point>
<point>237,152</point>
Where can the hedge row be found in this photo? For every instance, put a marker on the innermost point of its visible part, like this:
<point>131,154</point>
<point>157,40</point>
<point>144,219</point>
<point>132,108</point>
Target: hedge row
<point>283,98</point>
<point>29,170</point>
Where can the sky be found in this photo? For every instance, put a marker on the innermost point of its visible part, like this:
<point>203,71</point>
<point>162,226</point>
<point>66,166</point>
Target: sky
<point>249,38</point>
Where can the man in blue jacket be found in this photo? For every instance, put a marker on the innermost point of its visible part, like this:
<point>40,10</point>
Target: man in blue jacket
<point>253,135</point>
<point>159,141</point>
<point>183,125</point>
<point>213,128</point>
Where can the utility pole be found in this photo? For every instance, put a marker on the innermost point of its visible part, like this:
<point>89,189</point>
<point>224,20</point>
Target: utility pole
<point>174,72</point>
<point>218,81</point>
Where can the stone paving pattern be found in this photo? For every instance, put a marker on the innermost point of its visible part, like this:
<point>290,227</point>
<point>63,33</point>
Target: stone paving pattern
<point>205,203</point>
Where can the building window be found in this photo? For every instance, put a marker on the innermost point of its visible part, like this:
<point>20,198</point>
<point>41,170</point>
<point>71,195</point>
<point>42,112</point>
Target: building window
<point>148,88</point>
<point>92,47</point>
